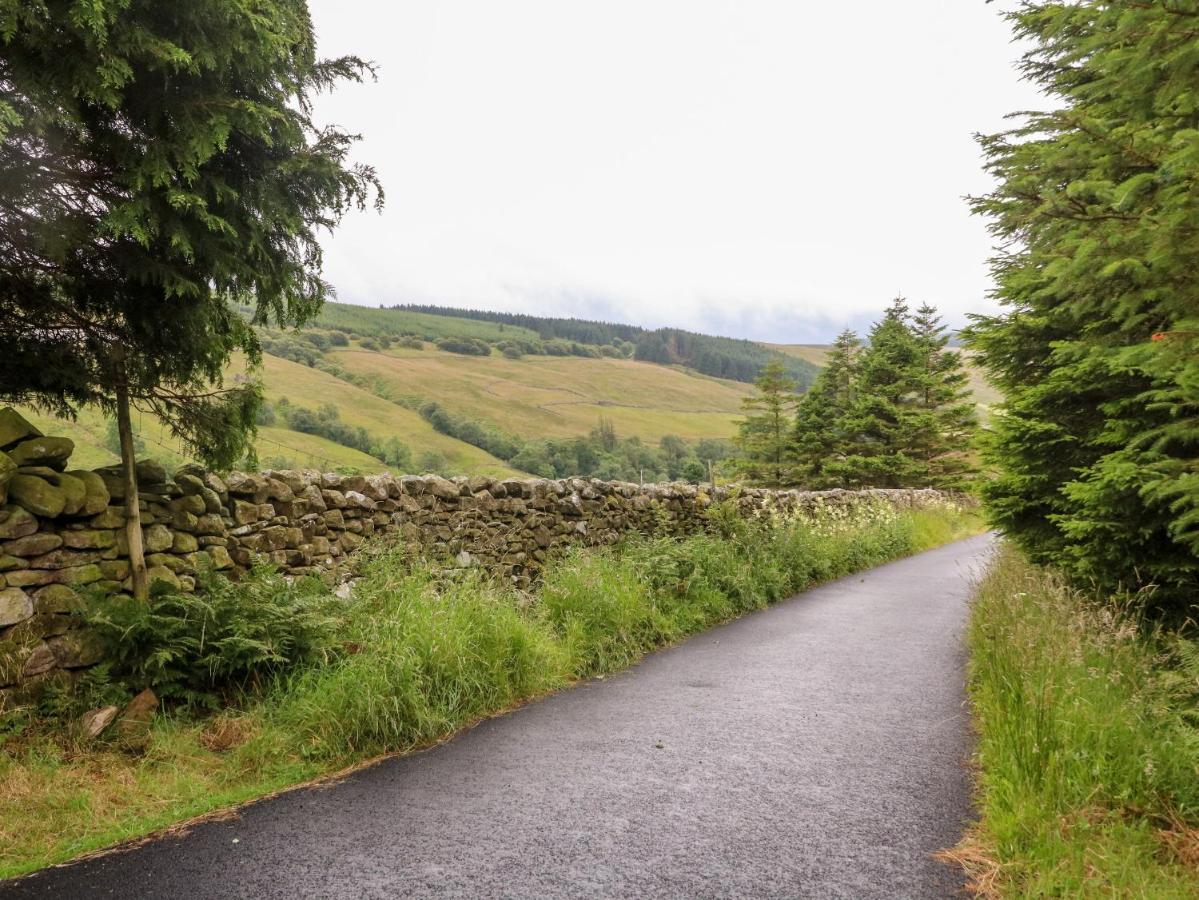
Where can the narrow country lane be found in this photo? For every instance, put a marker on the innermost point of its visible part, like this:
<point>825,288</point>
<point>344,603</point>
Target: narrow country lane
<point>815,749</point>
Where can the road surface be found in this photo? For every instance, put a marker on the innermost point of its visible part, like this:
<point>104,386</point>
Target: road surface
<point>815,749</point>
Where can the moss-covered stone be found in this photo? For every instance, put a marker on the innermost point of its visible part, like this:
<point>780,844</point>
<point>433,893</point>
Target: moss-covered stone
<point>96,492</point>
<point>56,599</point>
<point>8,469</point>
<point>79,574</point>
<point>114,569</point>
<point>14,428</point>
<point>15,606</point>
<point>184,543</point>
<point>32,544</point>
<point>36,495</point>
<point>43,451</point>
<point>89,538</point>
<point>157,538</point>
<point>112,517</point>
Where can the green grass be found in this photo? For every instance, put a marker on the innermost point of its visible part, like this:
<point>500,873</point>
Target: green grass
<point>370,321</point>
<point>422,657</point>
<point>537,397</point>
<point>1088,752</point>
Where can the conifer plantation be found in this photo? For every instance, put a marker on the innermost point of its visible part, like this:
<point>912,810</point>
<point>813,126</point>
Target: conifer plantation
<point>894,412</point>
<point>1098,351</point>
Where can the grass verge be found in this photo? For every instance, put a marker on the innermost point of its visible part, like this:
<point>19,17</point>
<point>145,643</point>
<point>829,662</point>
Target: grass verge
<point>420,656</point>
<point>1088,751</point>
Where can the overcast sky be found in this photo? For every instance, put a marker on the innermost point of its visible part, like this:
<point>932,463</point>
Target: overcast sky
<point>771,169</point>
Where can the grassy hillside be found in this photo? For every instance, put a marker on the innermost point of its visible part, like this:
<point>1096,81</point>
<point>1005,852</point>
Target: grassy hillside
<point>986,395</point>
<point>538,397</point>
<point>369,320</point>
<point>282,447</point>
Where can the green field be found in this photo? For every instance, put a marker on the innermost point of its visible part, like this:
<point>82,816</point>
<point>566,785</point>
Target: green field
<point>369,320</point>
<point>537,397</point>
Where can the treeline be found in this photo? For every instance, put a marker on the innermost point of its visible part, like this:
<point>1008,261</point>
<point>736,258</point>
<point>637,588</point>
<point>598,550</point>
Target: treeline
<point>895,412</point>
<point>721,357</point>
<point>326,422</point>
<point>599,454</point>
<point>732,358</point>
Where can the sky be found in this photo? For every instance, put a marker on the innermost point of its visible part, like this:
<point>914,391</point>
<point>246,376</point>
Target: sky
<point>768,169</point>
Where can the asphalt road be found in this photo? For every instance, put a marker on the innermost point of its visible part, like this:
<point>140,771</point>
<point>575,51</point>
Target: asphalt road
<point>815,749</point>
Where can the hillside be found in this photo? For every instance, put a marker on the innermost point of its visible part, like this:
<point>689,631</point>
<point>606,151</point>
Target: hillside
<point>549,397</point>
<point>369,389</point>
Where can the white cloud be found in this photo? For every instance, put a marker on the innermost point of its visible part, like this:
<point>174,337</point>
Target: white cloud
<point>766,169</point>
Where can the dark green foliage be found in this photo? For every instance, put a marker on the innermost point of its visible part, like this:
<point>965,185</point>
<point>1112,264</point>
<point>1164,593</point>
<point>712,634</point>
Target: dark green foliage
<point>199,649</point>
<point>463,345</point>
<point>1097,208</point>
<point>157,159</point>
<point>895,414</point>
<point>498,444</point>
<point>765,436</point>
<point>326,422</point>
<point>289,345</point>
<point>822,433</point>
<point>885,417</point>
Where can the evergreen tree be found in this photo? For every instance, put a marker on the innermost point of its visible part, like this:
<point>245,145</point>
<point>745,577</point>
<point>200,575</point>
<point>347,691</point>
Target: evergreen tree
<point>884,418</point>
<point>1097,206</point>
<point>765,435</point>
<point>947,420</point>
<point>156,161</point>
<point>822,437</point>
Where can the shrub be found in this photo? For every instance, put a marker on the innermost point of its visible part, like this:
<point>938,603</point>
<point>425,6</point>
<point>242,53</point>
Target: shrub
<point>464,345</point>
<point>199,649</point>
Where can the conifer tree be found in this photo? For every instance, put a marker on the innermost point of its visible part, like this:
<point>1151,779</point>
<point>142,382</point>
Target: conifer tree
<point>765,435</point>
<point>884,419</point>
<point>1097,208</point>
<point>158,160</point>
<point>946,420</point>
<point>822,437</point>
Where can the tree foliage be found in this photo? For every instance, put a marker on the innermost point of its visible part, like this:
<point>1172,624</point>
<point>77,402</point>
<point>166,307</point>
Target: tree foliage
<point>894,413</point>
<point>765,435</point>
<point>156,160</point>
<point>1097,209</point>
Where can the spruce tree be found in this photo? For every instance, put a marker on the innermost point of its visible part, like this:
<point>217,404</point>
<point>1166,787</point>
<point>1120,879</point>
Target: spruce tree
<point>884,419</point>
<point>1097,209</point>
<point>158,160</point>
<point>765,435</point>
<point>946,421</point>
<point>822,437</point>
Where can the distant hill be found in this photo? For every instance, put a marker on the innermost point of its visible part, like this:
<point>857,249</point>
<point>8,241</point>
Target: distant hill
<point>722,357</point>
<point>462,394</point>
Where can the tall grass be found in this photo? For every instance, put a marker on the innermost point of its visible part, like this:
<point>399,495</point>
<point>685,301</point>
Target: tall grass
<point>1088,750</point>
<point>420,656</point>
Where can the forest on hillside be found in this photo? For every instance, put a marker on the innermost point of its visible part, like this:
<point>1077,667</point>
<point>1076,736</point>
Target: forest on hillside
<point>723,357</point>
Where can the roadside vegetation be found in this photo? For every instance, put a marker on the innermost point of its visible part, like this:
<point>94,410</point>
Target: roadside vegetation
<point>895,412</point>
<point>1088,753</point>
<point>271,683</point>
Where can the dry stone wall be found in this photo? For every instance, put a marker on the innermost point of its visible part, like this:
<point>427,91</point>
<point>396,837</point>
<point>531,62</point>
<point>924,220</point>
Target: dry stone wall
<point>62,531</point>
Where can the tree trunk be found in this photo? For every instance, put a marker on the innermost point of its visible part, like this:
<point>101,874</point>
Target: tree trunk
<point>133,515</point>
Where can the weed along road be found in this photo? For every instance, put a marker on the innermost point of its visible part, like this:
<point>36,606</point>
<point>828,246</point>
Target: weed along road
<point>815,749</point>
